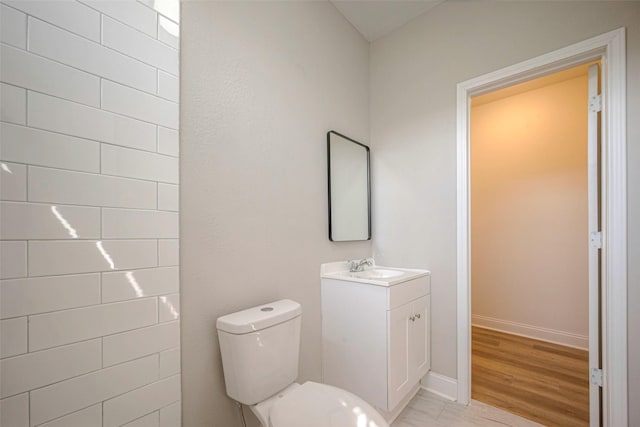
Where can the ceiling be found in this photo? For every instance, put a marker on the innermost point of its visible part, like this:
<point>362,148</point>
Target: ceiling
<point>375,18</point>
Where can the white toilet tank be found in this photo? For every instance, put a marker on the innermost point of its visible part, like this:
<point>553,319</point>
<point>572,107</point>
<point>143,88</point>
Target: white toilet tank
<point>260,348</point>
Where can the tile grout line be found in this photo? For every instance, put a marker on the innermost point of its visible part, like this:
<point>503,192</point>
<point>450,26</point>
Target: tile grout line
<point>157,138</point>
<point>95,338</point>
<point>102,352</point>
<point>176,75</point>
<point>110,398</point>
<point>49,95</point>
<point>65,379</point>
<point>89,207</point>
<point>157,15</point>
<point>75,136</point>
<point>29,15</point>
<point>28,343</point>
<point>131,26</point>
<point>89,73</point>
<point>126,177</point>
<point>66,415</point>
<point>92,272</point>
<point>99,42</point>
<point>26,28</point>
<point>66,30</point>
<point>101,19</point>
<point>122,332</point>
<point>140,92</point>
<point>157,24</point>
<point>26,106</point>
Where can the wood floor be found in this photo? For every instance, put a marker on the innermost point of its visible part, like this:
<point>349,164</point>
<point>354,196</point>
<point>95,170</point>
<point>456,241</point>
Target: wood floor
<point>544,382</point>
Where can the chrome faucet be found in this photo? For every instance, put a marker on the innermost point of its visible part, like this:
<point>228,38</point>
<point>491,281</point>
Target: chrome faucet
<point>358,265</point>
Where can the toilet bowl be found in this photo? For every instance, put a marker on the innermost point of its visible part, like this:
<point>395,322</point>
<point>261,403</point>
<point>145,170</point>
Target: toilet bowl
<point>316,405</point>
<point>260,348</point>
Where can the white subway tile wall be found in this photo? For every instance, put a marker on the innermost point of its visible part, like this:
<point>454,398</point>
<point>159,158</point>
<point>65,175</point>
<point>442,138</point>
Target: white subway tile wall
<point>45,40</point>
<point>14,411</point>
<point>70,15</point>
<point>13,259</point>
<point>167,197</point>
<point>167,32</point>
<point>13,27</point>
<point>61,398</point>
<point>169,362</point>
<point>21,68</point>
<point>151,420</point>
<point>170,415</point>
<point>140,342</point>
<point>13,337</point>
<point>88,417</point>
<point>136,403</point>
<point>168,141</point>
<point>33,295</point>
<point>13,104</point>
<point>13,180</point>
<point>127,285</point>
<point>42,148</point>
<point>168,251</point>
<point>89,259</point>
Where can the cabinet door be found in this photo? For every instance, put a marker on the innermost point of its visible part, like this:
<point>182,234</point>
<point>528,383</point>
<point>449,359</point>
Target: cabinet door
<point>401,367</point>
<point>419,347</point>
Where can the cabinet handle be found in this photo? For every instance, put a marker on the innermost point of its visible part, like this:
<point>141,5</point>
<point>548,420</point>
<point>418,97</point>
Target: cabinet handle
<point>418,315</point>
<point>412,318</point>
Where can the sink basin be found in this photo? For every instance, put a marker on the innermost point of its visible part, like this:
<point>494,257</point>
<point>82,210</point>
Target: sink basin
<point>378,273</point>
<point>372,275</point>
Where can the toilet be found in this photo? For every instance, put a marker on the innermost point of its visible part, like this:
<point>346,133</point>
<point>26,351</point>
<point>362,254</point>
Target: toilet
<point>260,348</point>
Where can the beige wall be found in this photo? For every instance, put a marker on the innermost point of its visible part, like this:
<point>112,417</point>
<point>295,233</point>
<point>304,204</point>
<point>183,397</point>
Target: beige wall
<point>262,83</point>
<point>529,212</point>
<point>414,72</point>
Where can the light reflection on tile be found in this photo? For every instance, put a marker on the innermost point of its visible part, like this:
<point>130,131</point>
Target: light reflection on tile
<point>134,284</point>
<point>72,231</point>
<point>429,410</point>
<point>5,168</point>
<point>106,255</point>
<point>169,308</point>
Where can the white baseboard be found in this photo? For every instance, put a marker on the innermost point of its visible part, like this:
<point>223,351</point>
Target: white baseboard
<point>550,335</point>
<point>439,384</point>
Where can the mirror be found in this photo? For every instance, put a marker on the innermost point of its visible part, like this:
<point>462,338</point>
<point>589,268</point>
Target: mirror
<point>349,189</point>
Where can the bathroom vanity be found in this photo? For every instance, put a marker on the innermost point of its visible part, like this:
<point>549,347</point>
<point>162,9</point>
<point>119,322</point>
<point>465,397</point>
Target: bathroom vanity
<point>375,333</point>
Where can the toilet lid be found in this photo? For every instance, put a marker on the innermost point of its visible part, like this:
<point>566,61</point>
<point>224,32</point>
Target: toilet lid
<point>321,405</point>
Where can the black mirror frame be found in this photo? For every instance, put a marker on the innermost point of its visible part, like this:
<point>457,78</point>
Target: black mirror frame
<point>368,183</point>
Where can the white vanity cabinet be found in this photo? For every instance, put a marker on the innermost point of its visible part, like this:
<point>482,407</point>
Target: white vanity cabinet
<point>376,337</point>
<point>408,348</point>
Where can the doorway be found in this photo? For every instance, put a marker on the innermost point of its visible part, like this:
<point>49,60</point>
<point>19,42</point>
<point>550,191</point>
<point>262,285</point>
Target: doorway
<point>530,248</point>
<point>610,49</point>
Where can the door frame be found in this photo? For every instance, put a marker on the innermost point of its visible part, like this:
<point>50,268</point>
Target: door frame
<point>609,48</point>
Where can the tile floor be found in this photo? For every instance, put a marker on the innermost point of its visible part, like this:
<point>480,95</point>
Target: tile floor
<point>430,410</point>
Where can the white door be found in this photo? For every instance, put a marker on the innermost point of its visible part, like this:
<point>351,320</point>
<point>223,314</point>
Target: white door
<point>595,244</point>
<point>399,369</point>
<point>420,342</point>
